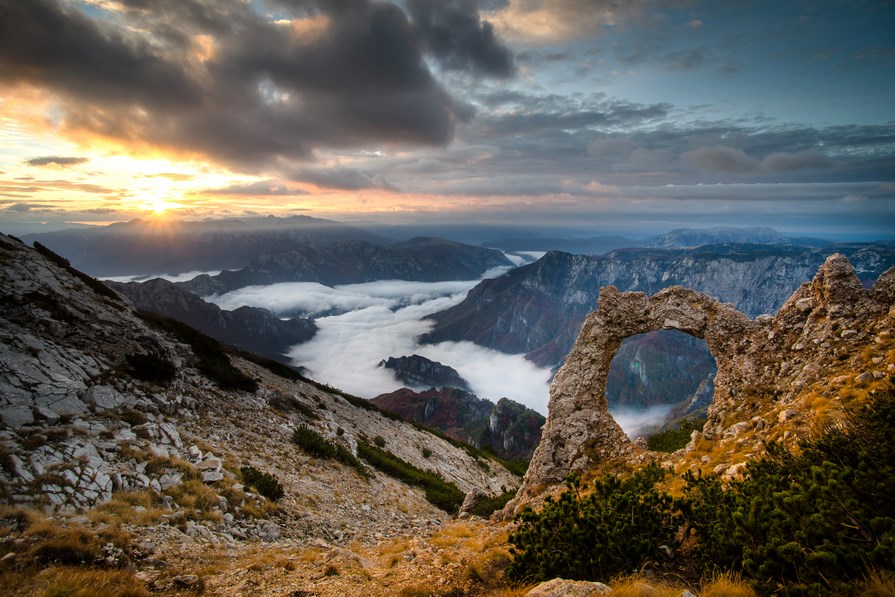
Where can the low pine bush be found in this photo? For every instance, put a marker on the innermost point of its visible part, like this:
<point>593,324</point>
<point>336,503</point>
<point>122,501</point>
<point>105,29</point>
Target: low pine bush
<point>151,368</point>
<point>812,523</point>
<point>816,522</point>
<point>610,531</point>
<point>264,483</point>
<point>316,445</point>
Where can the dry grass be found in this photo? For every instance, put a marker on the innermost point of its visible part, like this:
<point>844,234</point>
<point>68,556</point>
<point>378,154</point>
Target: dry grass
<point>196,498</point>
<point>878,584</point>
<point>637,585</point>
<point>139,508</point>
<point>726,584</point>
<point>69,581</point>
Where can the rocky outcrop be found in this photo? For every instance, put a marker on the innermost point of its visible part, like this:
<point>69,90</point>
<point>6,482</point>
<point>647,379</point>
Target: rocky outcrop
<point>419,372</point>
<point>763,363</point>
<point>509,429</point>
<point>250,328</point>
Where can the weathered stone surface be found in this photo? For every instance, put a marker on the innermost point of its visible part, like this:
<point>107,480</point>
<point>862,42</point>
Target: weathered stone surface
<point>754,359</point>
<point>579,431</point>
<point>104,398</point>
<point>559,587</point>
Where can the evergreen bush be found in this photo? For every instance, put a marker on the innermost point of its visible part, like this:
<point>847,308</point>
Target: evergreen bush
<point>611,531</point>
<point>264,483</point>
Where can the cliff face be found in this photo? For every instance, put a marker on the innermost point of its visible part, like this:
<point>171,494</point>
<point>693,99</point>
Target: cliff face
<point>775,373</point>
<point>509,429</point>
<point>538,309</point>
<point>351,262</point>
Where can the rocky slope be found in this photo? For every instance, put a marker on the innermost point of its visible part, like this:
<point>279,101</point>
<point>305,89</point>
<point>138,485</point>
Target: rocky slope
<point>172,247</point>
<point>351,262</point>
<point>420,373</point>
<point>252,329</point>
<point>507,428</point>
<point>98,404</point>
<point>779,377</point>
<point>538,309</point>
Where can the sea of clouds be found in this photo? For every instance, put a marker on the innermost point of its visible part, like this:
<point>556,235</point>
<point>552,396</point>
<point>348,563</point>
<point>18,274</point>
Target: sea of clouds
<point>382,319</point>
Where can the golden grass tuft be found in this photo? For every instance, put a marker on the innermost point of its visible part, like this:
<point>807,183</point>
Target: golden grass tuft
<point>726,584</point>
<point>69,581</point>
<point>139,508</point>
<point>878,584</point>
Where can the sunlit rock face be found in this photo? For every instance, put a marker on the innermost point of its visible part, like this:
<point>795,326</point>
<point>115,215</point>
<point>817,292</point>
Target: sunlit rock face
<point>761,362</point>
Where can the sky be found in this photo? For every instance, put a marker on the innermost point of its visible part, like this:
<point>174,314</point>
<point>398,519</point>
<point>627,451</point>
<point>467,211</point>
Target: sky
<point>617,116</point>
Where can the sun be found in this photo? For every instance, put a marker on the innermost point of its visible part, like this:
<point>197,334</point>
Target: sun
<point>159,206</point>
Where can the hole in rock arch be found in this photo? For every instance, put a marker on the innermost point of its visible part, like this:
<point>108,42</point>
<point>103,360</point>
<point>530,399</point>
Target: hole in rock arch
<point>659,379</point>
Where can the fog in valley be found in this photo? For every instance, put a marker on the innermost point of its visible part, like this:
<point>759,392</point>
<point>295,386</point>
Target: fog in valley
<point>377,320</point>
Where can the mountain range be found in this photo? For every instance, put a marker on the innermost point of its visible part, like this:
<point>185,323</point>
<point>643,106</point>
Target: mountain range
<point>172,247</point>
<point>507,428</point>
<point>351,262</point>
<point>537,309</point>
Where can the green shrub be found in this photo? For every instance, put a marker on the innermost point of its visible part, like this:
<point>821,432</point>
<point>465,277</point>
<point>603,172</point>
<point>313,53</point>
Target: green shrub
<point>487,506</point>
<point>264,483</point>
<point>672,440</point>
<point>316,445</point>
<point>379,441</point>
<point>439,492</point>
<point>609,532</point>
<point>151,368</point>
<point>812,523</point>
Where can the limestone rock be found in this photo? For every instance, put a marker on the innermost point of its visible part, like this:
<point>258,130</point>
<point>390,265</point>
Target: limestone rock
<point>559,587</point>
<point>755,361</point>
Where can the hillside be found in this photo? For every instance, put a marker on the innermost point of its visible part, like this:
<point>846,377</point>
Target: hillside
<point>146,426</point>
<point>252,329</point>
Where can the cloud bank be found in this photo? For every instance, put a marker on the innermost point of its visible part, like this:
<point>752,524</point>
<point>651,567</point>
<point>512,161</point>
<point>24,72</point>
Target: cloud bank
<point>382,319</point>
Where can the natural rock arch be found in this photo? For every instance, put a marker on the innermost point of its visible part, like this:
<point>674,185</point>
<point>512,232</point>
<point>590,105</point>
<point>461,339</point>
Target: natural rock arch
<point>770,358</point>
<point>580,431</point>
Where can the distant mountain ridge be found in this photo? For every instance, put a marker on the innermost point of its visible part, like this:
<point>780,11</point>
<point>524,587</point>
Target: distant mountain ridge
<point>250,328</point>
<point>537,309</point>
<point>351,262</point>
<point>171,247</point>
<point>681,238</point>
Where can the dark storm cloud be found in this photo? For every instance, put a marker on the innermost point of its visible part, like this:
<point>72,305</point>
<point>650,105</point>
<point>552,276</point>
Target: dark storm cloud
<point>215,78</point>
<point>56,160</point>
<point>456,35</point>
<point>262,187</point>
<point>347,179</point>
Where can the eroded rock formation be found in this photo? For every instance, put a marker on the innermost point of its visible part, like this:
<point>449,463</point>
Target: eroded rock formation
<point>764,362</point>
